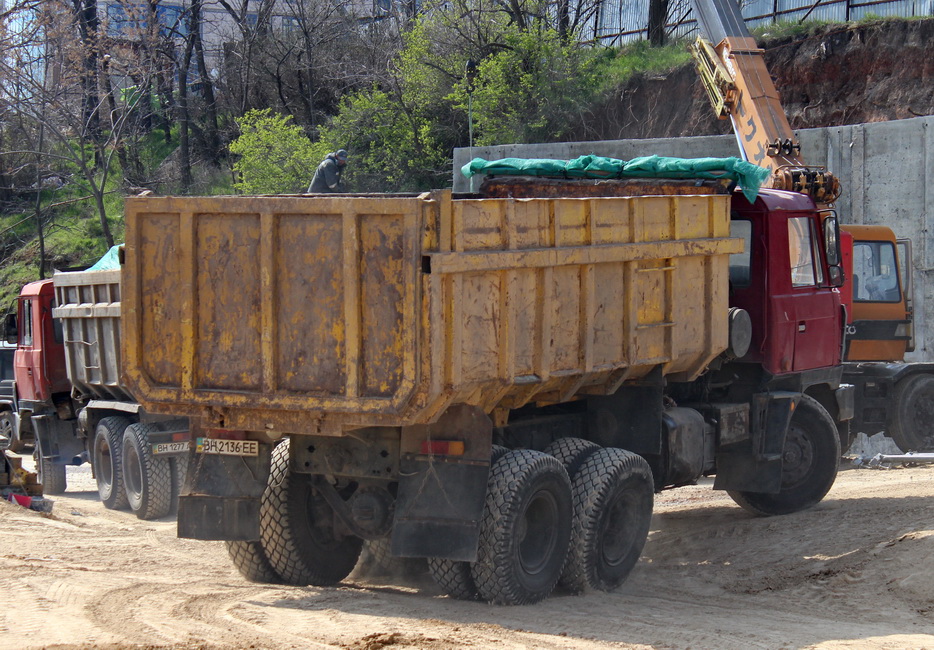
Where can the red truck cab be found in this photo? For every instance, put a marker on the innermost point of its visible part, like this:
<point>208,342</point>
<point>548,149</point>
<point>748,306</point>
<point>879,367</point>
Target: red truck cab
<point>39,361</point>
<point>797,323</point>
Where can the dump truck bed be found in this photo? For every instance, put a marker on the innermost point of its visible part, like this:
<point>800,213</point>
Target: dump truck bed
<point>318,314</point>
<point>88,306</point>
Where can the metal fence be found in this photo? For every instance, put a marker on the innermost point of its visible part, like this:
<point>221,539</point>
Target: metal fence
<point>621,21</point>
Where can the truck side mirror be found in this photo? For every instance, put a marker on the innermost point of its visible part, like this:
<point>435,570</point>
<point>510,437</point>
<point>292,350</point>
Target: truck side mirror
<point>10,333</point>
<point>832,241</point>
<point>837,277</point>
<point>832,251</point>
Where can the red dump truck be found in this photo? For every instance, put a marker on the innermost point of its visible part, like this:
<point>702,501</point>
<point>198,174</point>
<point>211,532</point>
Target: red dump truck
<point>496,383</point>
<point>67,401</point>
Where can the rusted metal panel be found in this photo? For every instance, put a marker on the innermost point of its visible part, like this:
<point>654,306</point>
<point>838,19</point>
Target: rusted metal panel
<point>88,306</point>
<point>313,314</point>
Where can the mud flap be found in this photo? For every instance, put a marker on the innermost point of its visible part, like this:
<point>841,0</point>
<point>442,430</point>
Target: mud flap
<point>754,464</point>
<point>440,500</point>
<point>221,496</point>
<point>58,440</point>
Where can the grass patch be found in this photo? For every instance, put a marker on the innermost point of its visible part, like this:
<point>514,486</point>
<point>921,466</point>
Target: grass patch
<point>618,65</point>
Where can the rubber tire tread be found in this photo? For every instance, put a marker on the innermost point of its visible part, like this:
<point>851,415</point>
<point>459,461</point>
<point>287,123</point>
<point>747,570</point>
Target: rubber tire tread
<point>284,528</point>
<point>514,478</point>
<point>155,498</point>
<point>454,576</point>
<point>52,475</point>
<point>252,563</point>
<point>111,428</point>
<point>601,480</point>
<point>908,420</point>
<point>572,452</point>
<point>821,477</point>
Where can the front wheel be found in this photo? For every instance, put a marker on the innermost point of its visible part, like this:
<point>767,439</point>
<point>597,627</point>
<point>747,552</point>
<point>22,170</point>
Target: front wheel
<point>9,433</point>
<point>809,463</point>
<point>910,427</point>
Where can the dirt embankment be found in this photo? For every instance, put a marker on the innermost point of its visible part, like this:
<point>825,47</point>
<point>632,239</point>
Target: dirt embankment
<point>837,76</point>
<point>853,572</point>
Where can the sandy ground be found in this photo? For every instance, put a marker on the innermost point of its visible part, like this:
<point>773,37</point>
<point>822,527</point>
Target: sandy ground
<point>855,571</point>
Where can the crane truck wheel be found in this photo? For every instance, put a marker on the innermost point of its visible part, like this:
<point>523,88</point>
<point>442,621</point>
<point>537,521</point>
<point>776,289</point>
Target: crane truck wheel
<point>148,478</point>
<point>252,563</point>
<point>809,464</point>
<point>525,529</point>
<point>914,411</point>
<point>454,576</point>
<point>297,529</point>
<point>51,474</point>
<point>613,497</point>
<point>107,460</point>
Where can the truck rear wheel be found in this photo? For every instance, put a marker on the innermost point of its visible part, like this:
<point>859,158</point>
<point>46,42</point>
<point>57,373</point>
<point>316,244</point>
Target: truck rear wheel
<point>809,464</point>
<point>50,474</point>
<point>571,452</point>
<point>297,529</point>
<point>525,529</point>
<point>148,478</point>
<point>454,576</point>
<point>914,412</point>
<point>252,563</point>
<point>106,457</point>
<point>613,496</point>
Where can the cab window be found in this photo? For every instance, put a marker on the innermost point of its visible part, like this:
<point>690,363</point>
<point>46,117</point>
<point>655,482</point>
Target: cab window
<point>875,272</point>
<point>25,328</point>
<point>801,246</point>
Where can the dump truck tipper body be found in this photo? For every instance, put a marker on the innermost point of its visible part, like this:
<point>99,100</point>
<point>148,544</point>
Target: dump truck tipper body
<point>444,373</point>
<point>253,313</point>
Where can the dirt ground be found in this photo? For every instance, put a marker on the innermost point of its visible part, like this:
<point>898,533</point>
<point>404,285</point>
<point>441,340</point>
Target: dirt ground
<point>856,571</point>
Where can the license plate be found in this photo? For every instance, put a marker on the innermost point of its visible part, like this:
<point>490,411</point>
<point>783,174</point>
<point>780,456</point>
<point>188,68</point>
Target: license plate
<point>169,447</point>
<point>227,447</point>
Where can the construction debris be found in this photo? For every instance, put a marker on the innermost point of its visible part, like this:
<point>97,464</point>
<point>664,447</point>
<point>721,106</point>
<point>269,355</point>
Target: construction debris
<point>21,487</point>
<point>881,461</point>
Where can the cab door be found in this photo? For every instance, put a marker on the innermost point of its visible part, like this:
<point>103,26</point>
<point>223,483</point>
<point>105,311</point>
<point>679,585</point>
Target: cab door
<point>814,309</point>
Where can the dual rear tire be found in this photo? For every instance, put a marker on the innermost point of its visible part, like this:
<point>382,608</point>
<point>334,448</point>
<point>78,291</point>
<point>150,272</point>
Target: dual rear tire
<point>579,515</point>
<point>299,544</point>
<point>128,474</point>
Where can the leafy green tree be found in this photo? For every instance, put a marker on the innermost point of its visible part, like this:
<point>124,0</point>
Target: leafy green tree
<point>274,155</point>
<point>534,90</point>
<point>402,132</point>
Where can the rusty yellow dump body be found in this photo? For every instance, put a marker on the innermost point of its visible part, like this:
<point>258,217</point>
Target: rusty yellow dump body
<point>318,314</point>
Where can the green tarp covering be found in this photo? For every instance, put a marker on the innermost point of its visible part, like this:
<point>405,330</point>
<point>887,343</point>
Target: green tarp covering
<point>749,177</point>
<point>109,262</point>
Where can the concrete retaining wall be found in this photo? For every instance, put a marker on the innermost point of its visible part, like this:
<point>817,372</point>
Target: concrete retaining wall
<point>884,168</point>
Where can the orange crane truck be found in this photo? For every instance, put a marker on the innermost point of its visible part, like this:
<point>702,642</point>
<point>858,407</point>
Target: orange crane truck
<point>498,384</point>
<point>892,395</point>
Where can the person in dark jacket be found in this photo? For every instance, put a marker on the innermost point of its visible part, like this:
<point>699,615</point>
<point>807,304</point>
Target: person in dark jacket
<point>327,177</point>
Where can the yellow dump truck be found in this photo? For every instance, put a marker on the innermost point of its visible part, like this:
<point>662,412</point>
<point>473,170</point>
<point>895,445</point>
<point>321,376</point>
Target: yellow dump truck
<point>498,384</point>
